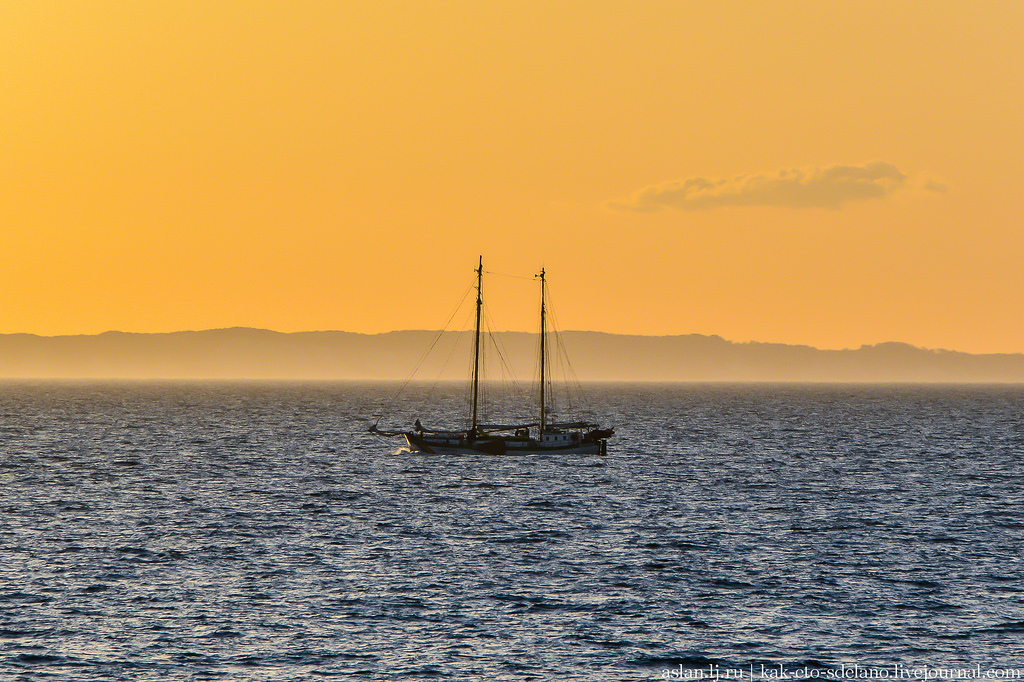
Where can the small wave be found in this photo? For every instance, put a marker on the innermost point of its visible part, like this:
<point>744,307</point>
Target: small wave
<point>655,566</point>
<point>731,584</point>
<point>234,440</point>
<point>37,659</point>
<point>194,657</point>
<point>10,633</point>
<point>530,538</point>
<point>810,663</point>
<point>924,584</point>
<point>928,605</point>
<point>223,633</point>
<point>136,554</point>
<point>605,643</point>
<point>1012,626</point>
<point>685,660</point>
<point>339,495</point>
<point>26,598</point>
<point>545,503</point>
<point>432,672</point>
<point>64,505</point>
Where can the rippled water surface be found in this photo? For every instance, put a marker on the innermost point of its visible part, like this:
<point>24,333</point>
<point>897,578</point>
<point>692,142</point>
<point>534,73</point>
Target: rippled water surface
<point>257,532</point>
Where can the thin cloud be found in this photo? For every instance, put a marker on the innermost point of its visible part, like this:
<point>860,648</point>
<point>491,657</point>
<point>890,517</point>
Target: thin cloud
<point>936,186</point>
<point>815,188</point>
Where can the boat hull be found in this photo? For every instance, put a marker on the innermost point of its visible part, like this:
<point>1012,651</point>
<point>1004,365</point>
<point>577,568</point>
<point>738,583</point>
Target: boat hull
<point>501,446</point>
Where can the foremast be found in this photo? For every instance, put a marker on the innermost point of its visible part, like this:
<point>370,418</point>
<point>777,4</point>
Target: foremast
<point>476,344</point>
<point>543,348</point>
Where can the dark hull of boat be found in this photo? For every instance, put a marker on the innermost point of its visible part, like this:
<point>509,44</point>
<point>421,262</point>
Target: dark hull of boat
<point>498,445</point>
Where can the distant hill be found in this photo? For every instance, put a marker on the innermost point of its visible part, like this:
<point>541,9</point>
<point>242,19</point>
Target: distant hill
<point>241,353</point>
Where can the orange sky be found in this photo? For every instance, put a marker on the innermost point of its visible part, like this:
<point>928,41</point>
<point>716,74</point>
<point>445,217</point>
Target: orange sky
<point>831,174</point>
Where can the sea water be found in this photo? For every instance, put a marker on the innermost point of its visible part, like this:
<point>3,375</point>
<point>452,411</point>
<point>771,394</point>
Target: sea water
<point>259,532</point>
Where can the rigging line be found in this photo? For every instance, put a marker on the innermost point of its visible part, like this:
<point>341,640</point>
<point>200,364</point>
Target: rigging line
<point>572,379</point>
<point>500,349</point>
<point>504,363</point>
<point>419,364</point>
<point>516,388</point>
<point>505,274</point>
<point>581,394</point>
<point>444,365</point>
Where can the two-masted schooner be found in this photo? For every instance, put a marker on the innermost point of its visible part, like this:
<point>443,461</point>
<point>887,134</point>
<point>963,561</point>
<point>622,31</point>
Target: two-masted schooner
<point>540,436</point>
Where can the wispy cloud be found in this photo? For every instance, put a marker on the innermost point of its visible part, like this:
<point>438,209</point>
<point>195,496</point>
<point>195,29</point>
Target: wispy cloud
<point>811,188</point>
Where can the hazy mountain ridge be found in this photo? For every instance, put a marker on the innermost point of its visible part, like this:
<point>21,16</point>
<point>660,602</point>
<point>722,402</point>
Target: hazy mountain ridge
<point>244,353</point>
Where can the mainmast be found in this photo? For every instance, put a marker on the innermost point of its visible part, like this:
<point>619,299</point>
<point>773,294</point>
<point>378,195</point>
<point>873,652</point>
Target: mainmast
<point>543,344</point>
<point>476,343</point>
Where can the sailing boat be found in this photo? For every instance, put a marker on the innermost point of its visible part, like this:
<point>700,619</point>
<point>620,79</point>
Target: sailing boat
<point>541,436</point>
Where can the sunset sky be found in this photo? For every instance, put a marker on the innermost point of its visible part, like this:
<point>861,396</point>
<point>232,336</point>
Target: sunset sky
<point>823,173</point>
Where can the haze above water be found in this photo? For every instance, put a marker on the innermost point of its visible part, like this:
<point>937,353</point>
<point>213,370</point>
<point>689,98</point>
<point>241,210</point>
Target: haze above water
<point>242,353</point>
